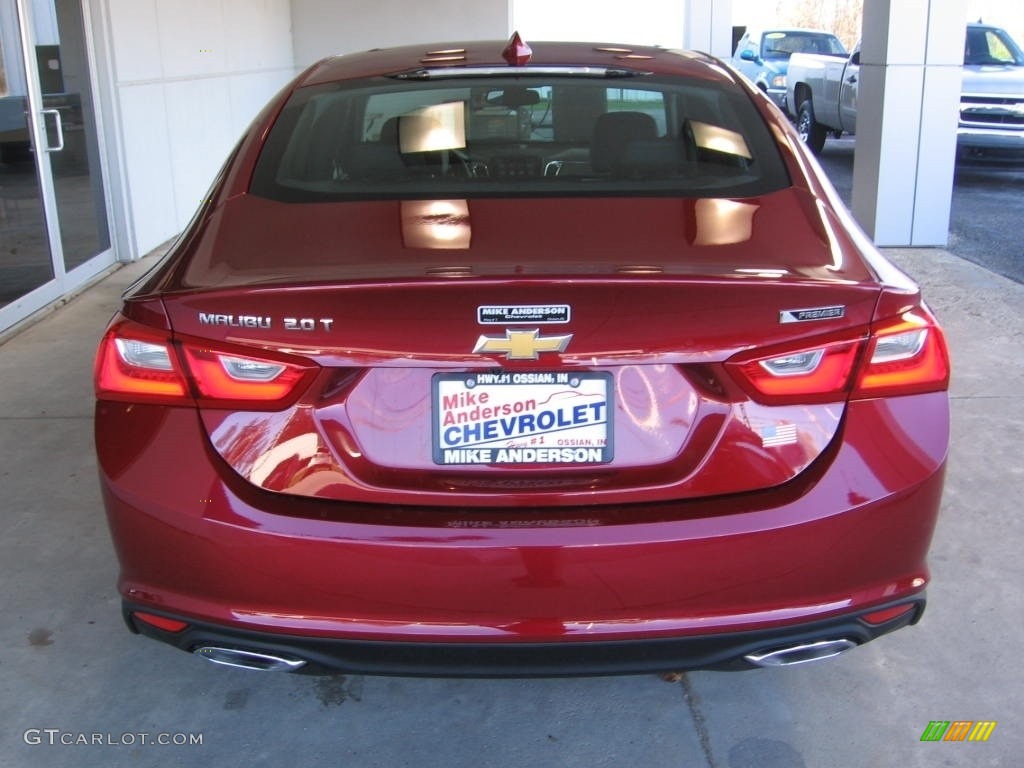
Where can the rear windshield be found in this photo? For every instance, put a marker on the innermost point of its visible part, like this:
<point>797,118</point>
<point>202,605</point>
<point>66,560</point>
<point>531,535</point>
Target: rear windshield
<point>990,46</point>
<point>493,136</point>
<point>782,45</point>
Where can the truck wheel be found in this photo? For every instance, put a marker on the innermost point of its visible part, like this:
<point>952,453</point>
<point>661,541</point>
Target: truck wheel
<point>811,132</point>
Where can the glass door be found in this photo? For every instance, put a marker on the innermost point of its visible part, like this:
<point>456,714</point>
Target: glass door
<point>26,263</point>
<point>54,225</point>
<point>64,79</point>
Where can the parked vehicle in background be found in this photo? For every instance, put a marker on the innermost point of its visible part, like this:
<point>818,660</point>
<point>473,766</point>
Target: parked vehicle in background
<point>822,94</point>
<point>763,56</point>
<point>992,102</point>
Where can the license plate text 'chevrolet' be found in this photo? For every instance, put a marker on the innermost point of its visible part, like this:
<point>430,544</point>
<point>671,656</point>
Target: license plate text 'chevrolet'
<point>522,418</point>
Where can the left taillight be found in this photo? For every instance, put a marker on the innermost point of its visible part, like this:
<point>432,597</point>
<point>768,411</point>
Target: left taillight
<point>136,363</point>
<point>139,364</point>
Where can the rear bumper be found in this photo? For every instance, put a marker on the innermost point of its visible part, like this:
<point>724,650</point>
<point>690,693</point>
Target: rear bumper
<point>392,588</point>
<point>553,659</point>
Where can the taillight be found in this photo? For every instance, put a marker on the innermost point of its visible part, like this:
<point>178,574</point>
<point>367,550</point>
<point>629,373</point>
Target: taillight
<point>816,375</point>
<point>223,378</point>
<point>138,364</point>
<point>903,356</point>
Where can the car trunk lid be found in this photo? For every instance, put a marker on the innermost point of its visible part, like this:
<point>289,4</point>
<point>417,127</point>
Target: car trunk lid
<point>614,353</point>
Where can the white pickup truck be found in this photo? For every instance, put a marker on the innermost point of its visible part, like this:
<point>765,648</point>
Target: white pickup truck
<point>822,92</point>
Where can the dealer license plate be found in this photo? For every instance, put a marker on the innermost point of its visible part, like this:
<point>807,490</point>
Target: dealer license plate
<point>522,418</point>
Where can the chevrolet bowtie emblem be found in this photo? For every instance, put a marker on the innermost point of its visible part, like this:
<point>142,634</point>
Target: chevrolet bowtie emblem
<point>522,344</point>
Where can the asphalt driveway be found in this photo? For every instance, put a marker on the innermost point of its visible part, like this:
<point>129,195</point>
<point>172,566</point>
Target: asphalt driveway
<point>987,208</point>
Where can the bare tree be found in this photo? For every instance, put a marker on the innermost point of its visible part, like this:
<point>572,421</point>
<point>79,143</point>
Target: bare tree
<point>841,17</point>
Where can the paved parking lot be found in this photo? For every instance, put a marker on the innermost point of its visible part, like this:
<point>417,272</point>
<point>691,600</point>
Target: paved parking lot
<point>987,210</point>
<point>70,672</point>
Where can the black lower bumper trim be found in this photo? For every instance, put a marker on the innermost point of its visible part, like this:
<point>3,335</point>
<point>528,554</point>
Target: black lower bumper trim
<point>554,659</point>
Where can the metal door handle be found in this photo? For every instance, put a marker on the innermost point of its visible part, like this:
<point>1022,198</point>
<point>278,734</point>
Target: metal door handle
<point>60,130</point>
<point>851,79</point>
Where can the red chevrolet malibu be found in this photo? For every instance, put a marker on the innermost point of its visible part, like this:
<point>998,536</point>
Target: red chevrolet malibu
<point>484,360</point>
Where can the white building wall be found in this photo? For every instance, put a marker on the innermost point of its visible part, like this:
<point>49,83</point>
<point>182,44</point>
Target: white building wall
<point>188,76</point>
<point>708,27</point>
<point>650,22</point>
<point>326,27</point>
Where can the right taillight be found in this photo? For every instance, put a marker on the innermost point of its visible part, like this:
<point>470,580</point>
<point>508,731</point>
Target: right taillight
<point>818,374</point>
<point>136,363</point>
<point>904,356</point>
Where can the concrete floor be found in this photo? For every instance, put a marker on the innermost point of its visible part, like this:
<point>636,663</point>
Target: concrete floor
<point>69,671</point>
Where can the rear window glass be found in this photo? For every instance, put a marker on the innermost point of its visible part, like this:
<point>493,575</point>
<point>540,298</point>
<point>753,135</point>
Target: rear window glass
<point>494,136</point>
<point>992,46</point>
<point>782,45</point>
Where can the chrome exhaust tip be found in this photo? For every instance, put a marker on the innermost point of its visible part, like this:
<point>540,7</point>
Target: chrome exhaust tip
<point>233,657</point>
<point>800,654</point>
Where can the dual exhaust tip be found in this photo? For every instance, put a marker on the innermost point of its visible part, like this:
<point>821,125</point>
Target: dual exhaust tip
<point>778,657</point>
<point>800,654</point>
<point>234,657</point>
